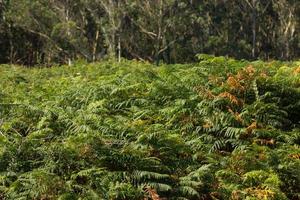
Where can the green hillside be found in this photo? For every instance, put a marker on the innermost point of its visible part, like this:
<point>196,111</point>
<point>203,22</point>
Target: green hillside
<point>216,129</point>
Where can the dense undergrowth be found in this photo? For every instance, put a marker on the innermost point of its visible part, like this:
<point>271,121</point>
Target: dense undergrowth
<point>217,129</point>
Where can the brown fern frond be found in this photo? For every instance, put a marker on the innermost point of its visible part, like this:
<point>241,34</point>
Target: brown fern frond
<point>266,142</point>
<point>233,99</point>
<point>260,193</point>
<point>236,195</point>
<point>152,193</point>
<point>236,115</point>
<point>234,84</point>
<point>250,70</point>
<point>240,75</point>
<point>250,128</point>
<point>295,156</point>
<point>297,70</point>
<point>204,92</point>
<point>207,125</point>
<point>263,75</point>
<point>215,80</point>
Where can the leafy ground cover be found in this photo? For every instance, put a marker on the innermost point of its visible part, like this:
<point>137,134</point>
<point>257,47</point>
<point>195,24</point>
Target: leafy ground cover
<point>216,129</point>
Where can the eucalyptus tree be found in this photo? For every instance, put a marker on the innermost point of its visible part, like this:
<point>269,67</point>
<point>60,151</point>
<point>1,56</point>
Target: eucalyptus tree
<point>33,18</point>
<point>256,9</point>
<point>288,24</point>
<point>59,25</point>
<point>112,31</point>
<point>160,24</point>
<point>60,31</point>
<point>3,30</point>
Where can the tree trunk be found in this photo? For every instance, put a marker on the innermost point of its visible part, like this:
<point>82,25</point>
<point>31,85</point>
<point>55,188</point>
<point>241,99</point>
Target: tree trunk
<point>95,45</point>
<point>119,47</point>
<point>112,45</point>
<point>68,33</point>
<point>159,34</point>
<point>253,28</point>
<point>289,34</point>
<point>11,46</point>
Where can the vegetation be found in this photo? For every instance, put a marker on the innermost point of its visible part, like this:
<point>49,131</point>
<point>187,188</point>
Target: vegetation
<point>35,32</point>
<point>216,129</point>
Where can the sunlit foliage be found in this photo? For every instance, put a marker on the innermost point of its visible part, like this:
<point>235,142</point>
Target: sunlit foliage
<point>216,129</point>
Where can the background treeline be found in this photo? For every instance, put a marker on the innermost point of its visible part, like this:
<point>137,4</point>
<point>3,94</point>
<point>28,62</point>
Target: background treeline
<point>59,31</point>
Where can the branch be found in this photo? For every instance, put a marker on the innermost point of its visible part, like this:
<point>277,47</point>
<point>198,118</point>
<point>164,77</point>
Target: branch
<point>152,35</point>
<point>167,46</point>
<point>47,38</point>
<point>265,8</point>
<point>249,4</point>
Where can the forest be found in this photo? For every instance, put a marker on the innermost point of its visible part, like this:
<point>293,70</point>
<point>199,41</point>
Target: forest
<point>149,100</point>
<point>34,32</point>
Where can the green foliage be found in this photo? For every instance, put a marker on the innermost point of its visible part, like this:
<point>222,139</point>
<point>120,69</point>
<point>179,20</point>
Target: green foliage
<point>218,129</point>
<point>43,32</point>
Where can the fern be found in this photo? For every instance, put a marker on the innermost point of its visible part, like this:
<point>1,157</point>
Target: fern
<point>216,129</point>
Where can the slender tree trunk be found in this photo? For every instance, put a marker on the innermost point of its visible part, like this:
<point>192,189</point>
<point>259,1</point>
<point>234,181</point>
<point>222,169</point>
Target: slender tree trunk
<point>95,45</point>
<point>11,46</point>
<point>112,45</point>
<point>68,32</point>
<point>159,34</point>
<point>11,52</point>
<point>49,56</point>
<point>253,28</point>
<point>287,51</point>
<point>119,47</point>
<point>289,34</point>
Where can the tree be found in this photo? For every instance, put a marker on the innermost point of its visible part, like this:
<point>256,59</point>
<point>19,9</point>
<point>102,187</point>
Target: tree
<point>161,23</point>
<point>287,24</point>
<point>41,31</point>
<point>111,29</point>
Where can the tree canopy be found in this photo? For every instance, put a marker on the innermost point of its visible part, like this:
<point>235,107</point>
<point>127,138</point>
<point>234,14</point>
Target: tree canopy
<point>173,31</point>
